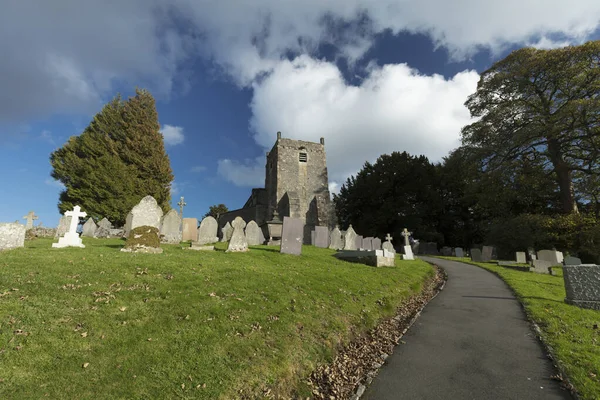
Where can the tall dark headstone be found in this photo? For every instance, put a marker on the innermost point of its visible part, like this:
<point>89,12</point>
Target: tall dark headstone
<point>292,235</point>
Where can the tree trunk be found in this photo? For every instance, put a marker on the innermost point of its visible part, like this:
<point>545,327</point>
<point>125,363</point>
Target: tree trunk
<point>563,177</point>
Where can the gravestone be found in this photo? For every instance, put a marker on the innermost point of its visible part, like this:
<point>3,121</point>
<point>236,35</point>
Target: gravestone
<point>104,223</point>
<point>12,235</point>
<point>446,251</point>
<point>570,260</point>
<point>350,239</point>
<point>541,266</point>
<point>358,242</point>
<point>89,228</point>
<point>238,242</point>
<point>190,229</point>
<point>254,234</point>
<point>408,254</point>
<point>321,237</point>
<point>476,255</point>
<point>312,237</point>
<point>486,253</point>
<point>226,232</point>
<point>127,227</point>
<point>335,239</point>
<point>291,236</point>
<point>367,244</point>
<point>103,230</point>
<point>551,256</point>
<point>170,230</point>
<point>531,254</point>
<point>207,232</point>
<point>30,217</point>
<point>375,258</point>
<point>376,242</point>
<point>458,252</point>
<point>521,257</point>
<point>63,226</point>
<point>146,213</point>
<point>143,239</point>
<point>387,245</point>
<point>406,234</point>
<point>582,284</point>
<point>71,238</point>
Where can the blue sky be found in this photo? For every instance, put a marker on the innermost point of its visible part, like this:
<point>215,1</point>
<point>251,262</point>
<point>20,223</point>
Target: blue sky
<point>371,77</point>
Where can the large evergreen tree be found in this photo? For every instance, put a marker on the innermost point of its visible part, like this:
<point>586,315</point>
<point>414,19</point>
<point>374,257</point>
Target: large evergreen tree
<point>117,160</point>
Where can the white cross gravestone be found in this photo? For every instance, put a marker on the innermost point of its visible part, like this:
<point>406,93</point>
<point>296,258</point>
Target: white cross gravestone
<point>71,238</point>
<point>30,218</point>
<point>406,235</point>
<point>387,245</point>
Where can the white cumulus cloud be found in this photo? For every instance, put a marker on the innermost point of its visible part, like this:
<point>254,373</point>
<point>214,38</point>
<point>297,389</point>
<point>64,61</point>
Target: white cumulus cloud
<point>173,135</point>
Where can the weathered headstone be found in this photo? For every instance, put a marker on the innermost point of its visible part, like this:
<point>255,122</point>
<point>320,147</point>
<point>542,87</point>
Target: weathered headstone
<point>458,252</point>
<point>336,242</point>
<point>71,238</point>
<point>408,254</point>
<point>367,244</point>
<point>146,213</point>
<point>238,241</point>
<point>446,251</point>
<point>12,235</point>
<point>321,237</point>
<point>312,237</point>
<point>358,242</point>
<point>143,239</point>
<point>89,228</point>
<point>350,239</point>
<point>207,232</point>
<point>63,226</point>
<point>104,223</point>
<point>226,231</point>
<point>103,230</point>
<point>476,255</point>
<point>582,284</point>
<point>521,257</point>
<point>190,229</point>
<point>551,256</point>
<point>406,234</point>
<point>292,234</point>
<point>375,258</point>
<point>387,245</point>
<point>541,266</point>
<point>30,217</point>
<point>170,229</point>
<point>486,253</point>
<point>254,234</point>
<point>570,260</point>
<point>376,242</point>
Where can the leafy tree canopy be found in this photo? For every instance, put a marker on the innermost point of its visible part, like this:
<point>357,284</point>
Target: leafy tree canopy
<point>216,210</point>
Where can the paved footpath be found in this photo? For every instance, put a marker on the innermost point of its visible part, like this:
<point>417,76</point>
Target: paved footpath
<point>472,341</point>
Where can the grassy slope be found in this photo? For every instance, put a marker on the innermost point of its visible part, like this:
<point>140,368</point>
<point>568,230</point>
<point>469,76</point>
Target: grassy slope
<point>184,323</point>
<point>568,329</point>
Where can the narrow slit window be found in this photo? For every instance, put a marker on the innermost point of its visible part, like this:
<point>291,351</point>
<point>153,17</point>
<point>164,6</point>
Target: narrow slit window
<point>302,157</point>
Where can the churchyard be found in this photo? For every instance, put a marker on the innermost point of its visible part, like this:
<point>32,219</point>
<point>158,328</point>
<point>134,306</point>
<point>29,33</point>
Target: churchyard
<point>98,322</point>
<point>571,332</point>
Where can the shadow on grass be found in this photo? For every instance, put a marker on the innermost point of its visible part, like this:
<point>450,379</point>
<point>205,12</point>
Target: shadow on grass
<point>114,246</point>
<point>542,298</point>
<point>274,250</point>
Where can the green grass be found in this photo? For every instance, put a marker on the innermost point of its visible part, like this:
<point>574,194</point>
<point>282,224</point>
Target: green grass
<point>182,324</point>
<point>572,332</point>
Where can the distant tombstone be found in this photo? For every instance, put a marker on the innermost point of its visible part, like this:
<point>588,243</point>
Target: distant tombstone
<point>486,253</point>
<point>570,260</point>
<point>531,254</point>
<point>367,244</point>
<point>551,256</point>
<point>321,237</point>
<point>416,247</point>
<point>291,236</point>
<point>190,229</point>
<point>63,226</point>
<point>335,239</point>
<point>103,229</point>
<point>541,267</point>
<point>458,252</point>
<point>170,230</point>
<point>89,228</point>
<point>104,223</point>
<point>226,232</point>
<point>521,257</point>
<point>387,245</point>
<point>12,235</point>
<point>30,218</point>
<point>207,232</point>
<point>431,248</point>
<point>476,255</point>
<point>238,242</point>
<point>312,237</point>
<point>71,238</point>
<point>127,226</point>
<point>350,239</point>
<point>446,251</point>
<point>376,242</point>
<point>146,213</point>
<point>406,234</point>
<point>358,242</point>
<point>408,254</point>
<point>253,234</point>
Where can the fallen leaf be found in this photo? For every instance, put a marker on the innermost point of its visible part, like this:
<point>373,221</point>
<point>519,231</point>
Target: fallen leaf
<point>84,334</point>
<point>123,308</point>
<point>85,365</point>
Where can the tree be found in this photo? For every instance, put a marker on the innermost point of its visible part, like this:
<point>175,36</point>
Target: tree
<point>216,210</point>
<point>541,104</point>
<point>118,159</point>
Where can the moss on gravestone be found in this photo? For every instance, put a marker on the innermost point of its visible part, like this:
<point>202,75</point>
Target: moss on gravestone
<point>143,239</point>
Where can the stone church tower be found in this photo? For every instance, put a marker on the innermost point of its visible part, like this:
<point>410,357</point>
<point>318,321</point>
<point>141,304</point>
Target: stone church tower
<point>296,185</point>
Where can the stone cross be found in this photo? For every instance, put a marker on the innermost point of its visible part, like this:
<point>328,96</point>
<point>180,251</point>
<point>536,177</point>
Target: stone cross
<point>406,235</point>
<point>30,218</point>
<point>388,238</point>
<point>75,215</point>
<point>181,204</point>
